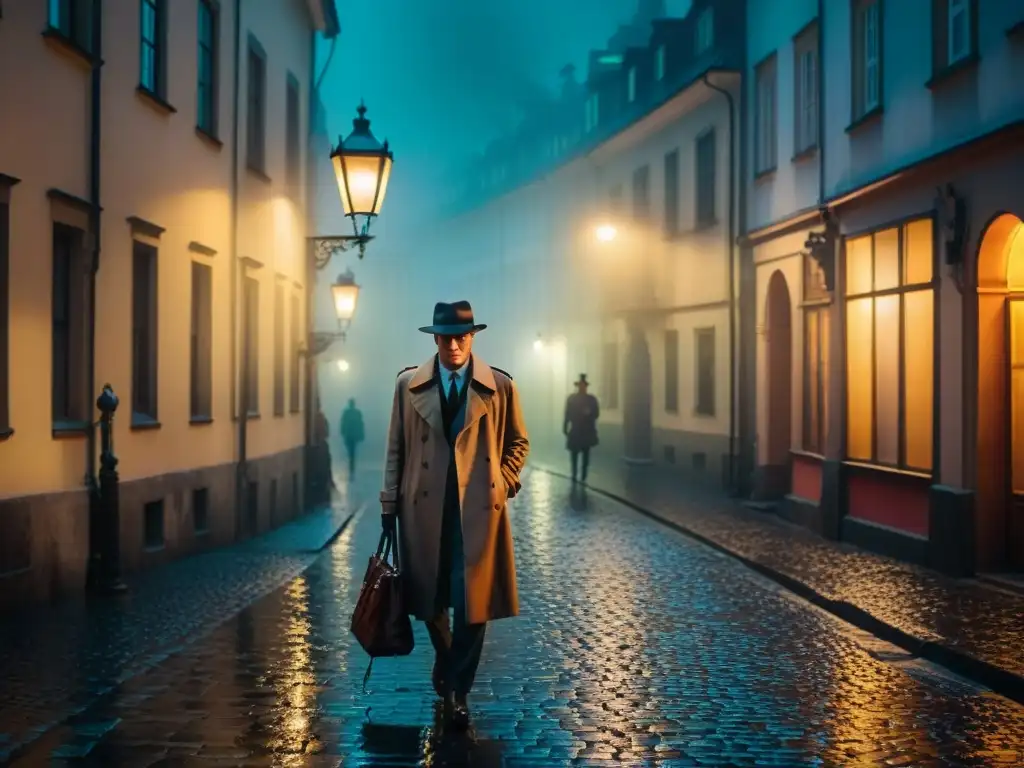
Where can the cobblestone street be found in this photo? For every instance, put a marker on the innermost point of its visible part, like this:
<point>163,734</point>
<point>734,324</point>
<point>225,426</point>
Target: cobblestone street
<point>636,646</point>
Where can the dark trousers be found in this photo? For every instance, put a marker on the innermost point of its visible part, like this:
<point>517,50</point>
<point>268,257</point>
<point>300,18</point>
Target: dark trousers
<point>586,462</point>
<point>350,448</point>
<point>457,645</point>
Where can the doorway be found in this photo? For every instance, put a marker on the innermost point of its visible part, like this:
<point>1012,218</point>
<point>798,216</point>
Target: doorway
<point>779,343</point>
<point>637,397</point>
<point>1000,405</point>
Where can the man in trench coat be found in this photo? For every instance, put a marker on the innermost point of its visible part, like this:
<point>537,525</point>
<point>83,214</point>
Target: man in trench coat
<point>457,444</point>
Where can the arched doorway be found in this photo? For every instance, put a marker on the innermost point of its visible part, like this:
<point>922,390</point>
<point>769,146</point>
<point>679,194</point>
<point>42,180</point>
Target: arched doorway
<point>636,381</point>
<point>1000,426</point>
<point>779,356</point>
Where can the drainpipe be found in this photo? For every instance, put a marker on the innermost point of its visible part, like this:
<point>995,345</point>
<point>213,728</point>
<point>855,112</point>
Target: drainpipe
<point>95,124</point>
<point>240,408</point>
<point>821,102</point>
<point>732,277</point>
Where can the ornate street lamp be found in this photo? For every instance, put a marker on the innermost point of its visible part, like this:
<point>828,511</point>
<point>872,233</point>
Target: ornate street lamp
<point>362,166</point>
<point>345,293</point>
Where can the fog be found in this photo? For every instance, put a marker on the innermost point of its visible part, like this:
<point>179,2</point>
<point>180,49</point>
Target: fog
<point>442,80</point>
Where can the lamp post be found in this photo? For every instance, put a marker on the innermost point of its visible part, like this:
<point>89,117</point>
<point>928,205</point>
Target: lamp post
<point>362,168</point>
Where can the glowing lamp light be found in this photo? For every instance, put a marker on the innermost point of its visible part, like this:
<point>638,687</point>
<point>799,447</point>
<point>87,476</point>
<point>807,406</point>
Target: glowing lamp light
<point>345,293</point>
<point>538,345</point>
<point>606,233</point>
<point>362,166</point>
<point>343,366</point>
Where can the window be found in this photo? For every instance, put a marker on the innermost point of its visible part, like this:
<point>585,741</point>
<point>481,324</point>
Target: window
<point>256,104</point>
<point>764,128</point>
<point>294,395</point>
<point>610,371</point>
<point>5,312</point>
<point>207,69</point>
<point>70,281</point>
<point>867,57</point>
<point>954,32</point>
<point>659,62</point>
<point>672,371</point>
<point>591,113</point>
<point>200,510</point>
<point>705,30</point>
<point>706,166</point>
<point>73,20</point>
<point>641,193</point>
<point>805,119</point>
<point>293,147</point>
<point>889,338</point>
<point>631,85</point>
<point>153,525</point>
<point>704,364</point>
<point>615,199</point>
<point>251,347</point>
<point>152,46</point>
<point>279,350</point>
<point>201,379</point>
<point>672,192</point>
<point>144,333</point>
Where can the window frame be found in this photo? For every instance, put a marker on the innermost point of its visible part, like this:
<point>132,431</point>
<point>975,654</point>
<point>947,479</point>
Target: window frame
<point>864,14</point>
<point>256,114</point>
<point>63,376</point>
<point>704,31</point>
<point>766,97</point>
<point>901,290</point>
<point>71,20</point>
<point>155,48</point>
<point>672,360</point>
<point>705,204</point>
<point>659,63</point>
<point>207,93</point>
<point>279,348</point>
<point>806,102</point>
<point>201,345</point>
<point>251,344</point>
<point>296,336</point>
<point>145,319</point>
<point>701,408</point>
<point>815,399</point>
<point>293,134</point>
<point>670,177</point>
<point>642,193</point>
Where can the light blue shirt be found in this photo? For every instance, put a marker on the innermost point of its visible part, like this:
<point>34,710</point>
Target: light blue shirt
<point>460,377</point>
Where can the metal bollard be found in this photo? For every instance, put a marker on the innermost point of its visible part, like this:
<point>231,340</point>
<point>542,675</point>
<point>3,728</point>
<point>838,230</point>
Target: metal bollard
<point>110,512</point>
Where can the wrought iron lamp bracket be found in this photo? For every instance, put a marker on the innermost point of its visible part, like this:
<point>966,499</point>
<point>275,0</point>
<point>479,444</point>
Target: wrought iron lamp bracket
<point>326,247</point>
<point>821,246</point>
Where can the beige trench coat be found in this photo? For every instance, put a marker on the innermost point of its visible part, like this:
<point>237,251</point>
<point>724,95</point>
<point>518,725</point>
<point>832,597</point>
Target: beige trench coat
<point>490,452</point>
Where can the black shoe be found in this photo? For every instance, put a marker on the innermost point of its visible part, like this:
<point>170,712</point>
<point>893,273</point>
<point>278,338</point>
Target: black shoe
<point>457,711</point>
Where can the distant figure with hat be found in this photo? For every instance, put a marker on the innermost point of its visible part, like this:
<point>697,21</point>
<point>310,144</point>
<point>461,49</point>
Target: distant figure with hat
<point>352,434</point>
<point>580,426</point>
<point>457,444</point>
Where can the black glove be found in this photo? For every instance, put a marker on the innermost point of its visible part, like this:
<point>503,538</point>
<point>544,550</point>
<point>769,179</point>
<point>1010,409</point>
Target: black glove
<point>389,523</point>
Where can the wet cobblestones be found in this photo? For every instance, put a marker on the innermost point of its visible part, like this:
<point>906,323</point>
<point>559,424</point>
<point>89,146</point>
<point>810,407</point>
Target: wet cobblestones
<point>977,620</point>
<point>636,646</point>
<point>55,662</point>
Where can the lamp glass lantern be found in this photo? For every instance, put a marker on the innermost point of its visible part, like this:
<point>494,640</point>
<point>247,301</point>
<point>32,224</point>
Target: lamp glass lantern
<point>345,293</point>
<point>362,166</point>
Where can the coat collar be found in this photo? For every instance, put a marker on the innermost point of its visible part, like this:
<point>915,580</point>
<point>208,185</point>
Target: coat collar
<point>426,402</point>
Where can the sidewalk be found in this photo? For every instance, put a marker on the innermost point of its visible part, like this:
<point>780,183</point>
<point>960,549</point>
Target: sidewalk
<point>973,629</point>
<point>56,661</point>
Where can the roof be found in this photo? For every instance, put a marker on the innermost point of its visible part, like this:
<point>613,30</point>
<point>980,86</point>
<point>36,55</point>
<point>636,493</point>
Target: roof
<point>325,17</point>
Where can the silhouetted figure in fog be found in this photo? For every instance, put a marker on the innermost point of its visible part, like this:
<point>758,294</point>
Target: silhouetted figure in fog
<point>580,426</point>
<point>352,434</point>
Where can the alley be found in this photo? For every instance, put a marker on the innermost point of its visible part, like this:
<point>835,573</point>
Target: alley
<point>635,646</point>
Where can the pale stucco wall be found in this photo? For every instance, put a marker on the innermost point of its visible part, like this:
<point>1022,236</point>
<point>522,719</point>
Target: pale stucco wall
<point>155,167</point>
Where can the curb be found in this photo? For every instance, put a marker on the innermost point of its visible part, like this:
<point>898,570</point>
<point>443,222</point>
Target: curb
<point>334,536</point>
<point>989,675</point>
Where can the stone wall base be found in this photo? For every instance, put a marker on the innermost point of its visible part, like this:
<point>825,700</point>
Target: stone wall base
<point>44,539</point>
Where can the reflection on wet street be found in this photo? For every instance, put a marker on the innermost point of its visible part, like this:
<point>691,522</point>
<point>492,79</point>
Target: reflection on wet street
<point>636,646</point>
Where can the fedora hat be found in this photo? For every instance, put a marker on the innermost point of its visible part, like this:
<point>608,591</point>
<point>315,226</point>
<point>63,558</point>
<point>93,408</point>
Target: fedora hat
<point>582,380</point>
<point>453,319</point>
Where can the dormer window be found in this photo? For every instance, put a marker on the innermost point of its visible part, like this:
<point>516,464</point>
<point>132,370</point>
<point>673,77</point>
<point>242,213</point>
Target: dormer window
<point>659,62</point>
<point>590,116</point>
<point>705,30</point>
<point>631,85</point>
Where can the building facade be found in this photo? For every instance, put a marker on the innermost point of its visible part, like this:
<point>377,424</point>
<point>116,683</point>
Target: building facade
<point>898,286</point>
<point>154,212</point>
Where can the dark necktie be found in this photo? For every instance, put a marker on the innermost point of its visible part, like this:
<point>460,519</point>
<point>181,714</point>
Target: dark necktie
<point>453,393</point>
